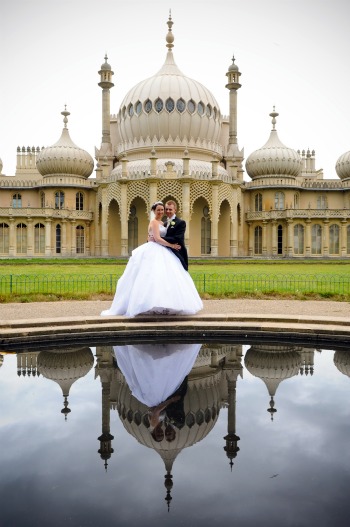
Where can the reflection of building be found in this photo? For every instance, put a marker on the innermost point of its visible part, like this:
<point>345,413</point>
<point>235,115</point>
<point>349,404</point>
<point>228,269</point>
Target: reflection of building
<point>211,385</point>
<point>169,139</point>
<point>65,367</point>
<point>342,361</point>
<point>274,364</point>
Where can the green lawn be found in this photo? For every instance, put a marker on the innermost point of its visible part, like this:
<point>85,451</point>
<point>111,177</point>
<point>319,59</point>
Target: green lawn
<point>55,279</point>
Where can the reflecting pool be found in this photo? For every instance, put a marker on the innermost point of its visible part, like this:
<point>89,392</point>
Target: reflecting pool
<point>175,434</point>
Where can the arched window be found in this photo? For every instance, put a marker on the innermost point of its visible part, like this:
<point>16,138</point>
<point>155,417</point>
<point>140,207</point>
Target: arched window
<point>17,201</point>
<point>298,239</point>
<point>79,201</point>
<point>133,229</point>
<point>39,238</point>
<point>258,202</point>
<point>205,232</point>
<point>279,200</point>
<point>80,239</point>
<point>334,239</point>
<point>4,238</point>
<point>21,238</point>
<point>42,200</point>
<point>316,239</point>
<point>258,240</point>
<point>59,200</point>
<point>58,238</point>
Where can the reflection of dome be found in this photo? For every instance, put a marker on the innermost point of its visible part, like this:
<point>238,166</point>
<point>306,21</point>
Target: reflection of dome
<point>274,158</point>
<point>272,364</point>
<point>1,359</point>
<point>341,360</point>
<point>65,367</point>
<point>169,109</point>
<point>342,166</point>
<point>65,157</point>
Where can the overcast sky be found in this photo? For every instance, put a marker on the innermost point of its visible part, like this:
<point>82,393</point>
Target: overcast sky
<point>292,54</point>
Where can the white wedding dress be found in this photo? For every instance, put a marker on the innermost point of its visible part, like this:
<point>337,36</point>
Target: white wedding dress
<point>154,372</point>
<point>154,282</point>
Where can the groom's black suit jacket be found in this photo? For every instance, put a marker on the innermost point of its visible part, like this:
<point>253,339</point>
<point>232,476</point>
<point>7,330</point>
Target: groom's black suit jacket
<point>176,234</point>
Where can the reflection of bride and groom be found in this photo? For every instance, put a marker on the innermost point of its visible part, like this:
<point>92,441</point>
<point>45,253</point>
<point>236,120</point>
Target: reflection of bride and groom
<point>156,278</point>
<point>157,377</point>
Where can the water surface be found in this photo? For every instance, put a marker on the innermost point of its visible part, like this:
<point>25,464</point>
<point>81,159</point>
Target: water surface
<point>259,436</point>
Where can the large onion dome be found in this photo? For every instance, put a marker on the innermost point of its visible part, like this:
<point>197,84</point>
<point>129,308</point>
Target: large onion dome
<point>65,157</point>
<point>342,166</point>
<point>169,109</point>
<point>274,158</point>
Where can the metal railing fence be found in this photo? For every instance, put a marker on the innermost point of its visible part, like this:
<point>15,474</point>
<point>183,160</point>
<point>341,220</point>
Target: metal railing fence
<point>210,283</point>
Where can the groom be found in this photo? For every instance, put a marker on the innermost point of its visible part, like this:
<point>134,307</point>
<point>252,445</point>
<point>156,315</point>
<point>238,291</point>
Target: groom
<point>176,232</point>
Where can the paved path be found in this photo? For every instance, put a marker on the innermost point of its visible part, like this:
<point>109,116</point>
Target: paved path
<point>57,323</point>
<point>82,308</point>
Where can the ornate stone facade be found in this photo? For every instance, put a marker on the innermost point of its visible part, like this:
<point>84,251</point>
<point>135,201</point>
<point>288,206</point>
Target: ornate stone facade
<point>169,140</point>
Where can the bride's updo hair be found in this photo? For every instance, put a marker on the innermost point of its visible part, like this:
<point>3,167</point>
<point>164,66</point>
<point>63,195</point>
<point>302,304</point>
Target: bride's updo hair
<point>155,205</point>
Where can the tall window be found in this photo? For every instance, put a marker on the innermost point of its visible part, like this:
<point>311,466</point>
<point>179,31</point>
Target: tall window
<point>298,239</point>
<point>42,200</point>
<point>279,200</point>
<point>258,240</point>
<point>17,201</point>
<point>334,239</point>
<point>79,201</point>
<point>58,238</point>
<point>296,201</point>
<point>4,238</point>
<point>322,202</point>
<point>21,238</point>
<point>316,239</point>
<point>258,202</point>
<point>39,238</point>
<point>133,229</point>
<point>279,239</point>
<point>80,239</point>
<point>348,239</point>
<point>205,232</point>
<point>59,200</point>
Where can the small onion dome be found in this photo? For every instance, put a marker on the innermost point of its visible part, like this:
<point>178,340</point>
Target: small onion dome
<point>1,165</point>
<point>342,166</point>
<point>105,65</point>
<point>233,66</point>
<point>65,157</point>
<point>274,158</point>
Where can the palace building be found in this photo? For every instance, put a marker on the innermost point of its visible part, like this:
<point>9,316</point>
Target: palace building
<point>169,140</point>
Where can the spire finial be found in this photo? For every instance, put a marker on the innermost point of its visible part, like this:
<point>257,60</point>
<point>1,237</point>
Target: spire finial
<point>170,36</point>
<point>106,58</point>
<point>274,114</point>
<point>65,113</point>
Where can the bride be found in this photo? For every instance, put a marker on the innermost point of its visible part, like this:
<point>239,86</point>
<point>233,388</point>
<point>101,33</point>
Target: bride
<point>154,281</point>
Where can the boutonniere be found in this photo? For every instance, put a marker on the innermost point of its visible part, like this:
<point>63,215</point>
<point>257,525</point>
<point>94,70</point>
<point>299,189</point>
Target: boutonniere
<point>172,223</point>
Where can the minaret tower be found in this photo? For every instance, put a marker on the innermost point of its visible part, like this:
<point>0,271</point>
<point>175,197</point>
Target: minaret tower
<point>233,74</point>
<point>106,84</point>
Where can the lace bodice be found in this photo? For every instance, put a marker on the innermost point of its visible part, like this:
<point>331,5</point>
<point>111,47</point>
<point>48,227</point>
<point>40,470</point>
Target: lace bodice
<point>162,231</point>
